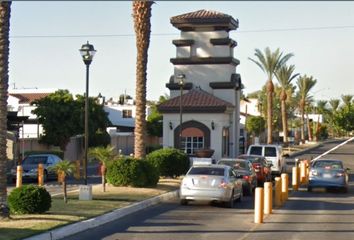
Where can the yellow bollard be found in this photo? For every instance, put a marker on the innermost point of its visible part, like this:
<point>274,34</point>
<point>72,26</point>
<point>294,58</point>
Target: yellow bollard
<point>307,167</point>
<point>277,198</point>
<point>77,170</point>
<point>258,205</point>
<point>40,175</point>
<point>284,187</point>
<point>295,180</point>
<point>302,172</point>
<point>268,198</point>
<point>19,176</point>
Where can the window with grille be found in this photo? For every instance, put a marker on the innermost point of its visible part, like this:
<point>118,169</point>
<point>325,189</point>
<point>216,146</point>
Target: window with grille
<point>127,114</point>
<point>190,144</point>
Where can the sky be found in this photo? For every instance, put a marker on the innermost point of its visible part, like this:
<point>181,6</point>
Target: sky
<point>45,38</point>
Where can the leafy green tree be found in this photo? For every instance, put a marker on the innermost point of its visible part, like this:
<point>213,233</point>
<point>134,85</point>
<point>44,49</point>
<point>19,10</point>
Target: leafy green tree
<point>104,155</point>
<point>270,62</point>
<point>154,120</point>
<point>344,118</point>
<point>255,125</point>
<point>63,117</point>
<point>63,169</point>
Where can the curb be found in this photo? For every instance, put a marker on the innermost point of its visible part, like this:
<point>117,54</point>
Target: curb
<point>71,229</point>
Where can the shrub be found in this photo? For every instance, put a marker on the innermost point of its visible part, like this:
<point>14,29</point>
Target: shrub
<point>29,199</point>
<point>128,171</point>
<point>170,162</point>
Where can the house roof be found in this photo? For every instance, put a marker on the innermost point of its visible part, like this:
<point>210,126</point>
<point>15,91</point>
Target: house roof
<point>195,101</point>
<point>207,18</point>
<point>28,97</point>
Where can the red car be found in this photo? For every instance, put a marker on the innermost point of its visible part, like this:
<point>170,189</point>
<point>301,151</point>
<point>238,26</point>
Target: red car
<point>261,167</point>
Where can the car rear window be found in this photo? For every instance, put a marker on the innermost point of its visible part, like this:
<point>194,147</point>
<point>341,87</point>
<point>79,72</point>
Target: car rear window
<point>35,160</point>
<point>270,152</point>
<point>206,171</point>
<point>328,164</point>
<point>234,164</point>
<point>256,151</point>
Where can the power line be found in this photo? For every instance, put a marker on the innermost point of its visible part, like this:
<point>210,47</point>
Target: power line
<point>175,34</point>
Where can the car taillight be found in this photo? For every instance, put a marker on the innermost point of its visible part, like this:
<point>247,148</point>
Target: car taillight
<point>246,177</point>
<point>223,184</point>
<point>340,174</point>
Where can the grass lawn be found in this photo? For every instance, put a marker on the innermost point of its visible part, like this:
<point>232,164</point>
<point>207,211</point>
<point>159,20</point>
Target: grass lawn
<point>21,226</point>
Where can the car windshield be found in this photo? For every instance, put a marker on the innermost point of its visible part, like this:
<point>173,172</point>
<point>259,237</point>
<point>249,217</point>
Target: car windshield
<point>328,164</point>
<point>206,171</point>
<point>35,160</point>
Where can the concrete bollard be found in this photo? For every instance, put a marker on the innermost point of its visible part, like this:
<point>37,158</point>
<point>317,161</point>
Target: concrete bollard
<point>40,174</point>
<point>258,205</point>
<point>295,180</point>
<point>19,176</point>
<point>268,198</point>
<point>284,187</point>
<point>307,167</point>
<point>277,195</point>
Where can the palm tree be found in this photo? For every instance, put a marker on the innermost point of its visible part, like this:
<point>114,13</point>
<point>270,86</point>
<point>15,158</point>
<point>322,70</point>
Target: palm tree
<point>321,110</point>
<point>104,155</point>
<point>64,169</point>
<point>5,12</point>
<point>334,108</point>
<point>347,100</point>
<point>305,84</point>
<point>142,26</point>
<point>270,62</point>
<point>285,75</point>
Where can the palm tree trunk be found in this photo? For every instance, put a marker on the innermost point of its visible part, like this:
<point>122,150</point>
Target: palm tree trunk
<point>64,191</point>
<point>5,11</point>
<point>270,89</point>
<point>284,121</point>
<point>309,127</point>
<point>302,125</point>
<point>142,26</point>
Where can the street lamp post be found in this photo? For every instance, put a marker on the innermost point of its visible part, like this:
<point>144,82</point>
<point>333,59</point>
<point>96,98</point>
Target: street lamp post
<point>181,78</point>
<point>87,52</point>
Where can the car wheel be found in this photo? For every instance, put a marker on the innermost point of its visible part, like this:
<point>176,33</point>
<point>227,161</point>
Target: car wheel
<point>309,189</point>
<point>45,176</point>
<point>250,190</point>
<point>230,203</point>
<point>345,190</point>
<point>184,202</point>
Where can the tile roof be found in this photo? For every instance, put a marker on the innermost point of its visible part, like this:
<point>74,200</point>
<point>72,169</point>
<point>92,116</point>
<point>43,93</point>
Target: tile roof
<point>204,17</point>
<point>195,101</point>
<point>28,97</point>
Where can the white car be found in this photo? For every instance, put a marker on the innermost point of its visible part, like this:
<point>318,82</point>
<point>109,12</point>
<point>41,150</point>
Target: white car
<point>217,183</point>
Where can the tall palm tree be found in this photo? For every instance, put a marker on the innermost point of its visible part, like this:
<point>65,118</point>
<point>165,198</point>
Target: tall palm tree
<point>270,62</point>
<point>104,155</point>
<point>285,75</point>
<point>142,26</point>
<point>304,84</point>
<point>64,169</point>
<point>5,12</point>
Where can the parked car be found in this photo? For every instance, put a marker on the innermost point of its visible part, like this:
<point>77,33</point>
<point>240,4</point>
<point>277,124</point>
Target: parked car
<point>217,183</point>
<point>328,174</point>
<point>261,167</point>
<point>30,167</point>
<point>244,171</point>
<point>273,154</point>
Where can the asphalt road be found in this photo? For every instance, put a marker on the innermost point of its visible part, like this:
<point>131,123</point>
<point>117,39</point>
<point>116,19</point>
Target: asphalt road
<point>316,215</point>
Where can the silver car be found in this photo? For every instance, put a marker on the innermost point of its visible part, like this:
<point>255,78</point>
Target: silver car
<point>328,174</point>
<point>217,183</point>
<point>30,167</point>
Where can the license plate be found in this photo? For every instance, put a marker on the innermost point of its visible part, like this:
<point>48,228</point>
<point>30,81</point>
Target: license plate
<point>327,175</point>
